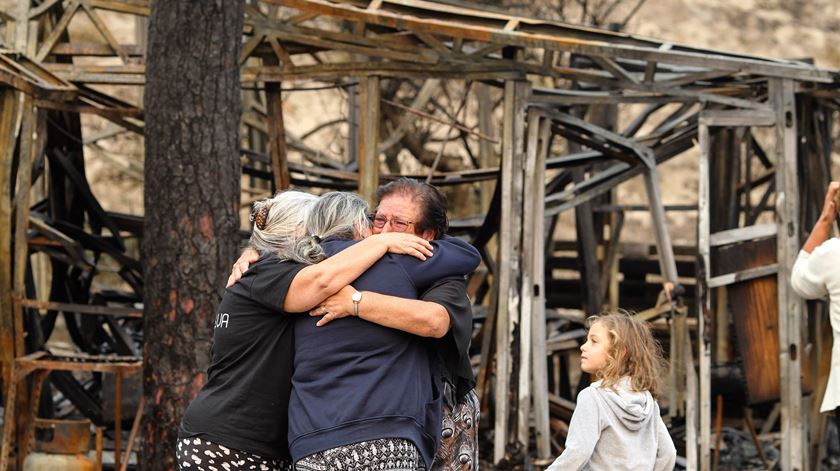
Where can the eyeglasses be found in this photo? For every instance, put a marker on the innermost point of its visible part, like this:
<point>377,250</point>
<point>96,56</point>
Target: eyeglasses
<point>379,222</point>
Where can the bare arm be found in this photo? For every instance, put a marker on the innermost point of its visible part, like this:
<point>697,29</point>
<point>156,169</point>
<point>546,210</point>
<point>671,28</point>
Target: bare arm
<point>822,228</point>
<point>423,318</point>
<point>316,282</point>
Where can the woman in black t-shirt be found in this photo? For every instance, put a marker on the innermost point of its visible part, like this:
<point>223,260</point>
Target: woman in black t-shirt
<point>239,418</point>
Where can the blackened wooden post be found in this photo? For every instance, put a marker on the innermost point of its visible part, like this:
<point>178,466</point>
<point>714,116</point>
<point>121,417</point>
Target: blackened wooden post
<point>529,214</point>
<point>510,239</point>
<point>787,246</point>
<point>704,305</point>
<point>539,367</point>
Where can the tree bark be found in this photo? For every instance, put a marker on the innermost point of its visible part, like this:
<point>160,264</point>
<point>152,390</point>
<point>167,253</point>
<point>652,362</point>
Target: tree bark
<point>192,171</point>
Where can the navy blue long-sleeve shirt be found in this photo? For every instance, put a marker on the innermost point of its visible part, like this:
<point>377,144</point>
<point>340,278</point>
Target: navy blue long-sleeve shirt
<point>354,380</point>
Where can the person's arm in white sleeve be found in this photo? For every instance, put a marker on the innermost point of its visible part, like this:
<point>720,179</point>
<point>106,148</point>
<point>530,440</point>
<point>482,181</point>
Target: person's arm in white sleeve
<point>806,277</point>
<point>584,432</point>
<point>818,254</point>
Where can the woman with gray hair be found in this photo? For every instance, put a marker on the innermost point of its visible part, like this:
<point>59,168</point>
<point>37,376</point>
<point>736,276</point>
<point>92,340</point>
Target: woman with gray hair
<point>364,396</point>
<point>238,420</point>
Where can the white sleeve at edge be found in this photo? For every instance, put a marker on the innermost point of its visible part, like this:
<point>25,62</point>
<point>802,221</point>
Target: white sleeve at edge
<point>807,275</point>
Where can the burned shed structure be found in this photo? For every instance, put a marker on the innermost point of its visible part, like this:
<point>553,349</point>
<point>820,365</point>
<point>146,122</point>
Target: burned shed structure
<point>764,129</point>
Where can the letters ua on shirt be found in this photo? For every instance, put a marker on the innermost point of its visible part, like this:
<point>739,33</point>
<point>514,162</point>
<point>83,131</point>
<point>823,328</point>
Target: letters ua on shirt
<point>222,320</point>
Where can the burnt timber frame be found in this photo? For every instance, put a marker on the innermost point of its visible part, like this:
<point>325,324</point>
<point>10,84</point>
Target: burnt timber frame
<point>290,41</point>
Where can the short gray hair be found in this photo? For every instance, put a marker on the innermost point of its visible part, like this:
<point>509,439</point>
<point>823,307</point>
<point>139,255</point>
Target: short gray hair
<point>337,214</point>
<point>287,213</point>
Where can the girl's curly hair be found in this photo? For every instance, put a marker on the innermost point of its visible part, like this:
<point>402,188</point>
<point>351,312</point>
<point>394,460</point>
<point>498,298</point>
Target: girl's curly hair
<point>632,352</point>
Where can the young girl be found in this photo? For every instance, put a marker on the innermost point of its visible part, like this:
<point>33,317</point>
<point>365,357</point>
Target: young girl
<point>616,424</point>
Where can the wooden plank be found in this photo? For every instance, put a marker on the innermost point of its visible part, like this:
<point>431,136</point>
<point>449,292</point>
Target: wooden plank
<point>612,176</point>
<point>369,99</point>
<point>57,32</point>
<point>667,265</point>
<point>106,33</point>
<point>338,72</point>
<point>487,154</point>
<point>95,49</point>
<point>732,118</point>
<point>617,70</point>
<point>33,129</point>
<point>301,18</point>
<point>41,9</point>
<point>249,46</point>
<point>790,305</point>
<point>523,406</point>
<point>700,458</point>
<point>709,97</point>
<point>28,76</point>
<point>509,253</point>
<point>691,78</point>
<point>9,125</point>
<point>503,335</point>
<point>423,55</point>
<point>421,21</point>
<point>133,7</point>
<point>643,152</point>
<point>434,43</point>
<point>617,97</point>
<point>353,116</point>
<point>399,42</point>
<point>609,266</point>
<point>742,234</point>
<point>743,275</point>
<point>82,308</point>
<point>488,337</point>
<point>650,72</point>
<point>755,317</point>
<point>281,53</point>
<point>539,355</point>
<point>277,134</point>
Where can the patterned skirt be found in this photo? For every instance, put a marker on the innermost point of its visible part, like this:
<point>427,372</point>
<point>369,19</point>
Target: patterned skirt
<point>391,454</point>
<point>196,454</point>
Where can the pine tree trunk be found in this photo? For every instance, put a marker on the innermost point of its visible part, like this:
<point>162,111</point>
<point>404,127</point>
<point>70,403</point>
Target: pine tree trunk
<point>192,111</point>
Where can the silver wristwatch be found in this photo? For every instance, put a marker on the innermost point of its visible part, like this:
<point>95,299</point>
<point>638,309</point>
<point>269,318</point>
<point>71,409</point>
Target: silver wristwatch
<point>357,298</point>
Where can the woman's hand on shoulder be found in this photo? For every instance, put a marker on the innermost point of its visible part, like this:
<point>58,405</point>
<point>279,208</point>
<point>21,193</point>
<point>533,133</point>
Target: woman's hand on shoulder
<point>248,257</point>
<point>403,243</point>
<point>335,307</point>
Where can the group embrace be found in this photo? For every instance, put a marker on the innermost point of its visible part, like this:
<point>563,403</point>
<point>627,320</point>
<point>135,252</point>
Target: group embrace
<point>344,344</point>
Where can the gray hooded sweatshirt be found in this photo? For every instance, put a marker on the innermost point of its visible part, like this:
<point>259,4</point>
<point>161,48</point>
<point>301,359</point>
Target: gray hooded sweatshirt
<point>616,429</point>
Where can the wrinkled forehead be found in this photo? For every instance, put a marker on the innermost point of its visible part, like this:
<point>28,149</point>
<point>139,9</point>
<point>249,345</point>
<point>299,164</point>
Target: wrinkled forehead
<point>400,205</point>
